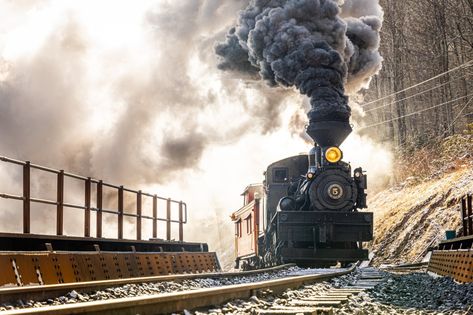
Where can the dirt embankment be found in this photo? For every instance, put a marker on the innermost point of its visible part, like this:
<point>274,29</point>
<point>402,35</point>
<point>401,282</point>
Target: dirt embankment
<point>416,213</point>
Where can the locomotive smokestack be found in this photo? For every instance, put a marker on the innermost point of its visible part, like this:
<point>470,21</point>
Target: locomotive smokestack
<point>329,133</point>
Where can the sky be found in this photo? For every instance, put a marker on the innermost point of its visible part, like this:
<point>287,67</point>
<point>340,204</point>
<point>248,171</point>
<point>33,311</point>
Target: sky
<point>129,92</point>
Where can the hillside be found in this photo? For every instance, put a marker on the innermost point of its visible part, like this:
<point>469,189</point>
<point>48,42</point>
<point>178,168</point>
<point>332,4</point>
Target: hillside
<point>414,214</point>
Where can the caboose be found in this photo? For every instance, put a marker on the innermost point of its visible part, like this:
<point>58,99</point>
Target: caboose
<point>248,227</point>
<point>307,211</point>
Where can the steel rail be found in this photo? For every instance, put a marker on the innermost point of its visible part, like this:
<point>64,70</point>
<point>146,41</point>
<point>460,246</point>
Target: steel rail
<point>178,301</point>
<point>41,292</point>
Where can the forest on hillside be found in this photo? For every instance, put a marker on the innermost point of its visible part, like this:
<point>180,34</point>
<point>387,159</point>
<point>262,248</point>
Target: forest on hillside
<point>423,93</point>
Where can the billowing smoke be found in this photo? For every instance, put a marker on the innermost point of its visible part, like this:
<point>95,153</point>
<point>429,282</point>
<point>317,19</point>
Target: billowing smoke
<point>324,48</point>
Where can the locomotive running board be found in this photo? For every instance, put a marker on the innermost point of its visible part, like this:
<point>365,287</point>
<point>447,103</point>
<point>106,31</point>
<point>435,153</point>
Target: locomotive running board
<point>27,268</point>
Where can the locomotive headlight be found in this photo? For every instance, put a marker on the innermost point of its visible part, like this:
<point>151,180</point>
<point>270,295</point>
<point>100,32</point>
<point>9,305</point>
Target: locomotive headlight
<point>333,154</point>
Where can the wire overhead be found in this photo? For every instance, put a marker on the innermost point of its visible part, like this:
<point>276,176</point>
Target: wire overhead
<point>417,94</point>
<point>464,65</point>
<point>416,112</point>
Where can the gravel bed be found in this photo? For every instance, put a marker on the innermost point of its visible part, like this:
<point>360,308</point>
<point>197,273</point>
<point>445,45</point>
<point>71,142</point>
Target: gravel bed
<point>131,290</point>
<point>416,294</point>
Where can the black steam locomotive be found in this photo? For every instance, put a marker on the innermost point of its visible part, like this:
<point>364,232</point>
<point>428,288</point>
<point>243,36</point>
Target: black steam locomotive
<point>310,208</point>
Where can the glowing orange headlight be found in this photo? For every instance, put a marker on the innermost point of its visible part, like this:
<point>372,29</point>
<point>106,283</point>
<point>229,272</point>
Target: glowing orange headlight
<point>333,154</point>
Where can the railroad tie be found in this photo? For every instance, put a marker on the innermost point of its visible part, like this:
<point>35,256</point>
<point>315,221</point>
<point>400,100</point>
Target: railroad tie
<point>322,304</point>
<point>297,311</point>
<point>369,278</point>
<point>325,302</point>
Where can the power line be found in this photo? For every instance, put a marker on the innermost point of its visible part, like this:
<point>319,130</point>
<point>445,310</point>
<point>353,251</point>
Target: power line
<point>464,65</point>
<point>414,113</point>
<point>414,95</point>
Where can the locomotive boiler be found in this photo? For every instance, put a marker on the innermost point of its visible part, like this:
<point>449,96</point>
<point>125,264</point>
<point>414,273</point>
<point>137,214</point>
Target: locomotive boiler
<point>307,210</point>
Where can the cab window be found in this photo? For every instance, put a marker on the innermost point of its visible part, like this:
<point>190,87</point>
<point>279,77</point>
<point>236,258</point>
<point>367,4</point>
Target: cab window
<point>280,175</point>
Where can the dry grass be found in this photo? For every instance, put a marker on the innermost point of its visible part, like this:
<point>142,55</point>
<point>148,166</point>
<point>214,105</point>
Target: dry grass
<point>435,159</point>
<point>408,219</point>
<point>415,213</point>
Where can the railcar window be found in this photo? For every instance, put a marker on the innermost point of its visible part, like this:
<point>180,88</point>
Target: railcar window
<point>248,225</point>
<point>238,228</point>
<point>280,175</point>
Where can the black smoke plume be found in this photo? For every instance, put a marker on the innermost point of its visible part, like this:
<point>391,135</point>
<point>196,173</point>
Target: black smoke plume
<point>321,47</point>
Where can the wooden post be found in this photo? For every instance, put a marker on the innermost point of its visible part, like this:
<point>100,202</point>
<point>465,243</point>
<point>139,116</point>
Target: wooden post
<point>464,217</point>
<point>99,208</point>
<point>60,203</point>
<point>87,191</point>
<point>138,213</point>
<point>469,207</point>
<point>181,224</point>
<point>26,198</point>
<point>155,216</point>
<point>168,219</point>
<point>120,213</point>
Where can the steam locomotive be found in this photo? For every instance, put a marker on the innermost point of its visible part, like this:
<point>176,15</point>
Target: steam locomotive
<point>307,210</point>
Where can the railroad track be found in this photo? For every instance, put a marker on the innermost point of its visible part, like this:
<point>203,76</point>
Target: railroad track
<point>339,291</point>
<point>176,301</point>
<point>324,301</point>
<point>43,292</point>
<point>365,291</point>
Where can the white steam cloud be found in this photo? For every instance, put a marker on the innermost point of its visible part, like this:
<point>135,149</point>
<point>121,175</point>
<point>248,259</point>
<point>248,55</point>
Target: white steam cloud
<point>129,92</point>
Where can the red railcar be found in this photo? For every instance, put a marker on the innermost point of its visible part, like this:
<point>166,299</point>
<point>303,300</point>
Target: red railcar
<point>249,226</point>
